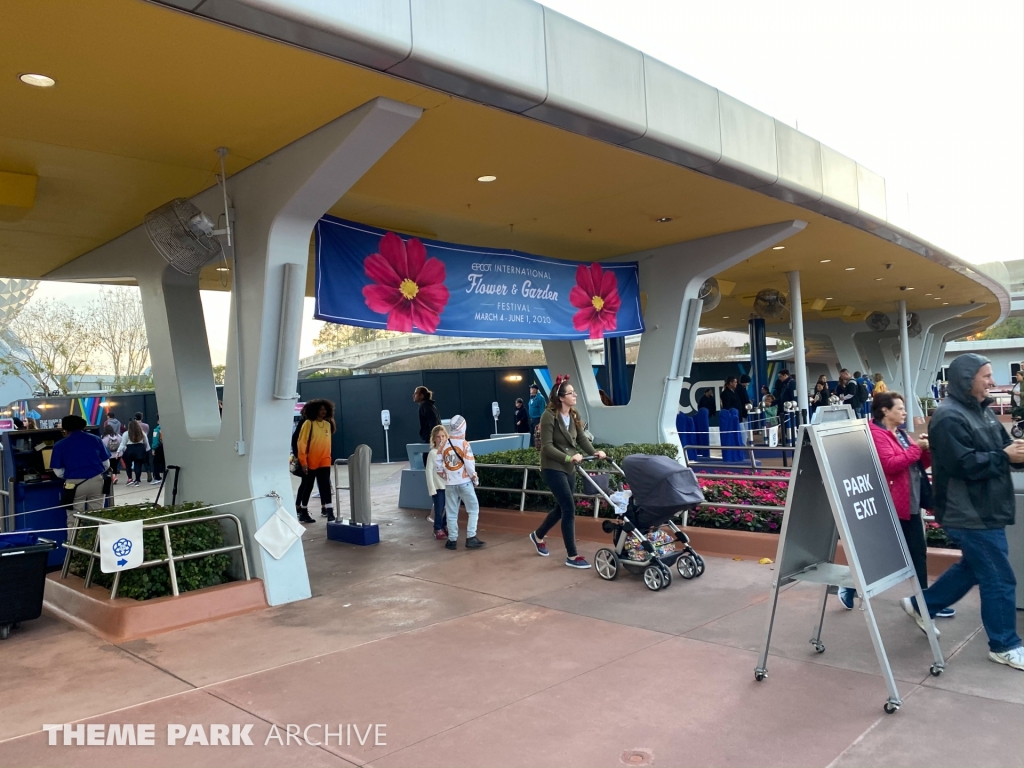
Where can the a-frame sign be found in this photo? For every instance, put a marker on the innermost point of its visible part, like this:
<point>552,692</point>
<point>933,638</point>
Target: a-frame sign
<point>837,490</point>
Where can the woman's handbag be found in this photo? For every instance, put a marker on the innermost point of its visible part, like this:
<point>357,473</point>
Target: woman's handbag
<point>925,501</point>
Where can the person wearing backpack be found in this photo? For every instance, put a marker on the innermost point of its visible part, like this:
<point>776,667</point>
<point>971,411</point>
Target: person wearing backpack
<point>112,442</point>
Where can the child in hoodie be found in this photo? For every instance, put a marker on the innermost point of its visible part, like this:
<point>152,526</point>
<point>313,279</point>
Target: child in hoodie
<point>456,466</point>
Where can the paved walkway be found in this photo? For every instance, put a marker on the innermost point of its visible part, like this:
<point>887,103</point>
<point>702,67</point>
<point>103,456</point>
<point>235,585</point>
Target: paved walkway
<point>499,658</point>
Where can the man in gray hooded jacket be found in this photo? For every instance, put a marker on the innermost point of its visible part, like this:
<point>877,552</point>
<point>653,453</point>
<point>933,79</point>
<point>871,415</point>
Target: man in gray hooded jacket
<point>972,456</point>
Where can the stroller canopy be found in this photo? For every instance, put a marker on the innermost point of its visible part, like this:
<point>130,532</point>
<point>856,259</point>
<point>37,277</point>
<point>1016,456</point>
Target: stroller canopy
<point>660,484</point>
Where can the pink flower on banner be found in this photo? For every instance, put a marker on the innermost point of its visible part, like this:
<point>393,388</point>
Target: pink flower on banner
<point>596,296</point>
<point>407,286</point>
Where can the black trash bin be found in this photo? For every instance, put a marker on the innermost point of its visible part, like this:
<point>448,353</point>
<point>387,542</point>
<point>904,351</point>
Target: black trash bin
<point>22,578</point>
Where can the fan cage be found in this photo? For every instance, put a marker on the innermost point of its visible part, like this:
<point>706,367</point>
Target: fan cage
<point>168,230</point>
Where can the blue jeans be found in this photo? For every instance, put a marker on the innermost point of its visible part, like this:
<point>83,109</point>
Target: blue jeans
<point>985,562</point>
<point>439,510</point>
<point>467,495</point>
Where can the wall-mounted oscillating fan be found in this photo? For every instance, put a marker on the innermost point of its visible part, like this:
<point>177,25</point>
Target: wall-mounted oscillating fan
<point>877,321</point>
<point>770,303</point>
<point>183,235</point>
<point>710,293</point>
<point>913,325</point>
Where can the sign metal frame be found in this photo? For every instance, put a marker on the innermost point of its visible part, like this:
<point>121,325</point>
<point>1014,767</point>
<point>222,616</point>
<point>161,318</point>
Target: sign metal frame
<point>809,536</point>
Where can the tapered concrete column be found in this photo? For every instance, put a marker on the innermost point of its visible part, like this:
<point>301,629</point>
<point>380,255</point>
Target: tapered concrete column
<point>796,313</point>
<point>671,277</point>
<point>277,201</point>
<point>842,336</point>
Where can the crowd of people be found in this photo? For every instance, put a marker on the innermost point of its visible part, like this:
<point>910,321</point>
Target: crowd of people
<point>969,452</point>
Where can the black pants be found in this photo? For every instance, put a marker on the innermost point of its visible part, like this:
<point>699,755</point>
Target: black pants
<point>913,532</point>
<point>159,464</point>
<point>136,459</point>
<point>565,509</point>
<point>322,477</point>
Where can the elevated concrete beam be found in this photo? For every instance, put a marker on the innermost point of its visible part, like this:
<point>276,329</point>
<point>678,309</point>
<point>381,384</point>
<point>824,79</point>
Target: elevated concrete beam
<point>671,276</point>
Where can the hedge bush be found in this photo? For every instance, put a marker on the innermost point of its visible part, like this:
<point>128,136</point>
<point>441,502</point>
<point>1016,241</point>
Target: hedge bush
<point>147,583</point>
<point>742,490</point>
<point>513,478</point>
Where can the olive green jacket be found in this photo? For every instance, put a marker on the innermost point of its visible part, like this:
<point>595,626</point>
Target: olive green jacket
<point>558,443</point>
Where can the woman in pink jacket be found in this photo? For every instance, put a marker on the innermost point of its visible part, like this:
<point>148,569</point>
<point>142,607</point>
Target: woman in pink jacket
<point>903,460</point>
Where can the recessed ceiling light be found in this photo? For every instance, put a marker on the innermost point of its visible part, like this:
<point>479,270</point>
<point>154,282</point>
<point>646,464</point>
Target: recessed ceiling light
<point>825,261</point>
<point>778,248</point>
<point>910,289</point>
<point>222,269</point>
<point>879,278</point>
<point>850,269</point>
<point>945,303</point>
<point>927,294</point>
<point>938,298</point>
<point>828,298</point>
<point>725,317</point>
<point>39,81</point>
<point>664,220</point>
<point>486,179</point>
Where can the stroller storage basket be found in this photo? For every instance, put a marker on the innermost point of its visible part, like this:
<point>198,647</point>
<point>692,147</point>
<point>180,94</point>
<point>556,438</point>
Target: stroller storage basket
<point>22,578</point>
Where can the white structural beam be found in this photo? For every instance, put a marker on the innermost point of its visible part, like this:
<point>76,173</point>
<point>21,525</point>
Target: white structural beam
<point>671,276</point>
<point>905,367</point>
<point>276,202</point>
<point>796,311</point>
<point>841,335</point>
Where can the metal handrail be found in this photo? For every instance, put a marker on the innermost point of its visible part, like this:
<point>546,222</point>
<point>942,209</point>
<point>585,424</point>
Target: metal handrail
<point>171,558</point>
<point>523,491</point>
<point>768,478</point>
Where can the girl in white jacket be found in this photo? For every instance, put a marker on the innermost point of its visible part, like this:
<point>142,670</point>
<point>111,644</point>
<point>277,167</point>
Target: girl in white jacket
<point>435,484</point>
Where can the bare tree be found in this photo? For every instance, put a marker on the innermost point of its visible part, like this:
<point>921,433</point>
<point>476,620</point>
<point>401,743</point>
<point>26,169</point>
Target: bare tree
<point>119,327</point>
<point>48,344</point>
<point>335,336</point>
<point>712,347</point>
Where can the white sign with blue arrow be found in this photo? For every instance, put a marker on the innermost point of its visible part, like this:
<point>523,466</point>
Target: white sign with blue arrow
<point>120,546</point>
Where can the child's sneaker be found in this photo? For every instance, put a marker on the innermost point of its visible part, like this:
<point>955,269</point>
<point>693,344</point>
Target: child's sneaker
<point>542,548</point>
<point>440,534</point>
<point>576,562</point>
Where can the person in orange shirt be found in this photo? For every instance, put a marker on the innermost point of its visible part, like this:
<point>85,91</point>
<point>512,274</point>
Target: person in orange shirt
<point>314,457</point>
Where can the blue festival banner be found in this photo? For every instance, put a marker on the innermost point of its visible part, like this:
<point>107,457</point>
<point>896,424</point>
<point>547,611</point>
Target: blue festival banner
<point>374,278</point>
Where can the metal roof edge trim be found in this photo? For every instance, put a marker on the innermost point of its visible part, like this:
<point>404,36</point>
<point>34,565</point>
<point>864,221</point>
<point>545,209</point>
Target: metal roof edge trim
<point>862,218</point>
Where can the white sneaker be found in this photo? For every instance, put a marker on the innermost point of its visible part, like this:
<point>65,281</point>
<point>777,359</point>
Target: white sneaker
<point>909,608</point>
<point>1011,658</point>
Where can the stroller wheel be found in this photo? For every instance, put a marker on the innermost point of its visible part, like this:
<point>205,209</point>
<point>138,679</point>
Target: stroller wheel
<point>654,578</point>
<point>606,563</point>
<point>700,563</point>
<point>686,566</point>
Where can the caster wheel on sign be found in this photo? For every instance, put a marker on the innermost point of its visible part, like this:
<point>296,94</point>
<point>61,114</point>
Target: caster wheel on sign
<point>819,647</point>
<point>936,670</point>
<point>700,564</point>
<point>889,707</point>
<point>606,563</point>
<point>760,674</point>
<point>686,566</point>
<point>653,578</point>
<point>5,631</point>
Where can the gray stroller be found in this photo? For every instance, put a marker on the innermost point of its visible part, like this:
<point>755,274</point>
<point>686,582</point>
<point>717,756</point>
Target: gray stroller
<point>661,489</point>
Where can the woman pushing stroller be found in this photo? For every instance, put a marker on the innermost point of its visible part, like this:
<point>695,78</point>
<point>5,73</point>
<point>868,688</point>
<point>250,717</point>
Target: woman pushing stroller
<point>561,439</point>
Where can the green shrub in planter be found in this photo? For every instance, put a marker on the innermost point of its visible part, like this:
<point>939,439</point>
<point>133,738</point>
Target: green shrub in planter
<point>513,478</point>
<point>147,583</point>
